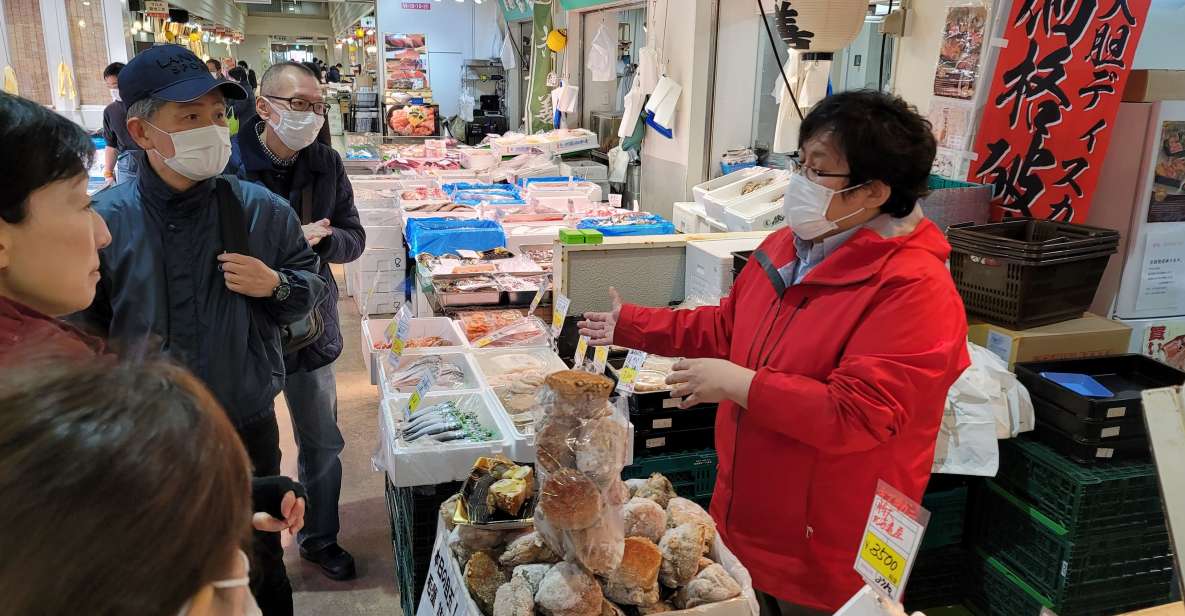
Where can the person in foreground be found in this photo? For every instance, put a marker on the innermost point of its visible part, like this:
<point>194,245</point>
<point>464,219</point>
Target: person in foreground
<point>168,282</point>
<point>831,358</point>
<point>278,148</point>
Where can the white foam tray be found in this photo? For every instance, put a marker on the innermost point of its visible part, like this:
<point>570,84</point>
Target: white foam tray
<point>374,329</point>
<point>699,190</point>
<point>718,201</point>
<point>472,381</point>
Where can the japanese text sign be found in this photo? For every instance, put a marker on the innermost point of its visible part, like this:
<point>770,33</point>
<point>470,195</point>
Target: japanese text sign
<point>891,540</point>
<point>629,371</point>
<point>398,330</point>
<point>443,594</point>
<point>1052,100</point>
<point>581,353</point>
<point>559,311</point>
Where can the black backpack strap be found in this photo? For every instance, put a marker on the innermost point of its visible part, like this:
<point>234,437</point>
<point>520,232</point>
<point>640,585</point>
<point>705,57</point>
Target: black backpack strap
<point>231,219</point>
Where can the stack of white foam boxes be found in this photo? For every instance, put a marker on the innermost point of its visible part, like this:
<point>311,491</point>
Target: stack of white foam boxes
<point>376,279</point>
<point>591,170</point>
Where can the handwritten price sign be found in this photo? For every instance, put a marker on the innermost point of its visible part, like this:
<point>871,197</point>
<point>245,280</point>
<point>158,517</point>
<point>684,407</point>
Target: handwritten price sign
<point>891,541</point>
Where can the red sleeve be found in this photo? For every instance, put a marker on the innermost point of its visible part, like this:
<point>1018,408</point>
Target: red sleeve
<point>905,354</point>
<point>702,332</point>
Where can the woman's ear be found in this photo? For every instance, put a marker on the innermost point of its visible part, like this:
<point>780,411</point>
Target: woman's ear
<point>875,193</point>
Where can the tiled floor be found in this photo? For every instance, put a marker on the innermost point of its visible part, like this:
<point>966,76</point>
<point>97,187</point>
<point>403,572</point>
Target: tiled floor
<point>365,531</point>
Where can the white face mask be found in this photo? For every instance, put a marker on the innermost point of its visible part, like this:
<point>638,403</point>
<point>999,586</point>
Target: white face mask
<point>297,129</point>
<point>200,153</point>
<point>115,94</point>
<point>805,207</point>
<point>250,607</point>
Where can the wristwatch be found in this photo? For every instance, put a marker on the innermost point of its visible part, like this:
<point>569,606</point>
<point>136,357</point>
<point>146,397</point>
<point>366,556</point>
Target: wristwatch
<point>282,290</point>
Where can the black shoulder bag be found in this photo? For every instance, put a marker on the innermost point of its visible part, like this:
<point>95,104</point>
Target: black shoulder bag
<point>294,336</point>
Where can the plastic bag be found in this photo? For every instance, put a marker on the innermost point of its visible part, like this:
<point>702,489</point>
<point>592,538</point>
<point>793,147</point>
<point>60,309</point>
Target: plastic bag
<point>986,403</point>
<point>619,162</point>
<point>509,58</point>
<point>581,439</point>
<point>601,62</point>
<point>439,236</point>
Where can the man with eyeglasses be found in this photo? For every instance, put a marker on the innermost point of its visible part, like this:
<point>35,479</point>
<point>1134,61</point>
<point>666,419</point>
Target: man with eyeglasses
<point>278,148</point>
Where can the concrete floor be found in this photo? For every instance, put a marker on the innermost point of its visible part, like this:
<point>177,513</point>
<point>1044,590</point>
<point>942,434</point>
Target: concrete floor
<point>365,530</point>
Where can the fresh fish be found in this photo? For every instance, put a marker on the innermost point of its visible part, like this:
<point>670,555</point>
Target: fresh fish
<point>433,428</point>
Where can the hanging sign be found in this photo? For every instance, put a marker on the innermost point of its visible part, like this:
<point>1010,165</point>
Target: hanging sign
<point>1052,99</point>
<point>535,301</point>
<point>559,310</point>
<point>398,330</point>
<point>156,8</point>
<point>891,540</point>
<point>422,389</point>
<point>600,358</point>
<point>581,352</point>
<point>629,372</point>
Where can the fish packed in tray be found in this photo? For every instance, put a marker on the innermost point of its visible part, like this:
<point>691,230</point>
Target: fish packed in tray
<point>518,283</point>
<point>423,193</point>
<point>422,342</point>
<point>621,219</point>
<point>483,322</point>
<point>473,284</point>
<point>438,207</point>
<point>412,370</point>
<point>516,379</point>
<point>498,492</point>
<point>444,423</point>
<point>541,256</point>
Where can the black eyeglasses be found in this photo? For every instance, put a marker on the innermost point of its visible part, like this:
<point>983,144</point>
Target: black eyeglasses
<point>795,165</point>
<point>300,104</point>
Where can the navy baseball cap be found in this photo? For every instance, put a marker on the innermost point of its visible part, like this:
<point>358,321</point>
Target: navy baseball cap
<point>172,73</point>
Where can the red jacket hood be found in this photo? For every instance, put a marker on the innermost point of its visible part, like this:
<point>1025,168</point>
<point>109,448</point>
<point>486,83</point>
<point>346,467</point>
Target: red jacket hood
<point>26,333</point>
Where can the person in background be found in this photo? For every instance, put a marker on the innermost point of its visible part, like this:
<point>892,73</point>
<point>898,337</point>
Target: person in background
<point>118,162</point>
<point>335,74</point>
<point>168,282</point>
<point>278,148</point>
<point>244,108</point>
<point>250,75</point>
<point>831,357</point>
<point>215,68</point>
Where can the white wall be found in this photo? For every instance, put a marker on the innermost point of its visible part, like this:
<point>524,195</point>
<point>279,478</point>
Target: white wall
<point>289,26</point>
<point>1161,45</point>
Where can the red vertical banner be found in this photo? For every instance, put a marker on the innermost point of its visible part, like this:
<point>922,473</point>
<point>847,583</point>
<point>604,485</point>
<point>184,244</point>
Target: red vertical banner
<point>1052,100</point>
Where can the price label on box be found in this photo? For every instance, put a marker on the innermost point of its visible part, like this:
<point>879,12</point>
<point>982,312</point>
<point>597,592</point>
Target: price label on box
<point>422,389</point>
<point>600,358</point>
<point>559,310</point>
<point>535,301</point>
<point>581,352</point>
<point>444,592</point>
<point>398,331</point>
<point>629,371</point>
<point>890,541</point>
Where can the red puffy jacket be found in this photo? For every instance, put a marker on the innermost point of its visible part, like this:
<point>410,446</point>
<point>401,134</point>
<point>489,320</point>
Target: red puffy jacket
<point>853,366</point>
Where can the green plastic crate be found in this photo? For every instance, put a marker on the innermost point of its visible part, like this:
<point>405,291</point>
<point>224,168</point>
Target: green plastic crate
<point>1042,552</point>
<point>995,590</point>
<point>948,512</point>
<point>692,474</point>
<point>937,182</point>
<point>1084,499</point>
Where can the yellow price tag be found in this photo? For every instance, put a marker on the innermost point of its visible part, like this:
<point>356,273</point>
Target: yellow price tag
<point>397,347</point>
<point>628,375</point>
<point>392,328</point>
<point>581,352</point>
<point>482,342</point>
<point>884,559</point>
<point>414,403</point>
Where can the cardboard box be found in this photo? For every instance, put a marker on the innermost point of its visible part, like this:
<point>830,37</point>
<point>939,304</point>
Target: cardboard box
<point>1089,336</point>
<point>1149,86</point>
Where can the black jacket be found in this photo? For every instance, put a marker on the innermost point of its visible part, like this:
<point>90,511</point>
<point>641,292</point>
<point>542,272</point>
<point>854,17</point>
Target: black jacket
<point>320,167</point>
<point>162,291</point>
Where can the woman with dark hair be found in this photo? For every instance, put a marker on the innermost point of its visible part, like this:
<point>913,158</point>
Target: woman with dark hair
<point>126,490</point>
<point>244,108</point>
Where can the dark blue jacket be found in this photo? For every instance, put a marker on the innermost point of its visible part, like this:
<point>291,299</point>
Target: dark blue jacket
<point>320,167</point>
<point>162,291</point>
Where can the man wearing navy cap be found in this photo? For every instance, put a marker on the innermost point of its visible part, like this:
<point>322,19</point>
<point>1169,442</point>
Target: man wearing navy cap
<point>168,284</point>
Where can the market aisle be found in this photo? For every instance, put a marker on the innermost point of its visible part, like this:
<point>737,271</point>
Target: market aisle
<point>365,531</point>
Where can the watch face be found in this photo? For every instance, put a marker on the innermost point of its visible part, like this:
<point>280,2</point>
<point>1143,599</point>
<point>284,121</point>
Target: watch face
<point>283,291</point>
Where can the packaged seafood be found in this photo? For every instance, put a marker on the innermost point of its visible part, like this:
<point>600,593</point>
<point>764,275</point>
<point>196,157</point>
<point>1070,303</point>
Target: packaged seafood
<point>453,371</point>
<point>480,323</point>
<point>521,289</point>
<point>470,291</point>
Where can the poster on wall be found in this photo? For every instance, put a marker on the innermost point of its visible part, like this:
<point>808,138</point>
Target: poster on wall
<point>951,122</point>
<point>959,56</point>
<point>1168,184</point>
<point>406,57</point>
<point>1051,101</point>
<point>1165,342</point>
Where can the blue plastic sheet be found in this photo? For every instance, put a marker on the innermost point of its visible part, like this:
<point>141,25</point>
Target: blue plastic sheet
<point>439,236</point>
<point>468,193</point>
<point>649,225</point>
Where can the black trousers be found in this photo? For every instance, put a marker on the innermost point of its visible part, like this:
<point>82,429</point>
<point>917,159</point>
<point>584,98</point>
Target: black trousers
<point>269,578</point>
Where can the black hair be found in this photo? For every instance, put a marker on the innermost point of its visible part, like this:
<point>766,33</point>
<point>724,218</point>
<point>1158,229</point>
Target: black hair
<point>40,147</point>
<point>239,74</point>
<point>243,63</point>
<point>883,138</point>
<point>217,64</point>
<point>339,64</point>
<point>113,69</point>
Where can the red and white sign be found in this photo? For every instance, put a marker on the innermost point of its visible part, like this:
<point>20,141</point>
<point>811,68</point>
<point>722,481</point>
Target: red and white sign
<point>1053,98</point>
<point>417,6</point>
<point>156,8</point>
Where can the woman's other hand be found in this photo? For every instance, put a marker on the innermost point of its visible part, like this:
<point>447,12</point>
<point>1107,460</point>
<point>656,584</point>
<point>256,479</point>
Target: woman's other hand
<point>706,381</point>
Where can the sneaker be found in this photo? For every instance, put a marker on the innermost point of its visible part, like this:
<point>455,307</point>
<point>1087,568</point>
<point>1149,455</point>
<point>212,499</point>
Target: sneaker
<point>335,563</point>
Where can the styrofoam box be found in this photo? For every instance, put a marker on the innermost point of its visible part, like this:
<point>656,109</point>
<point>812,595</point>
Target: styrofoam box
<point>690,218</point>
<point>590,170</point>
<point>378,303</point>
<point>429,464</point>
<point>718,201</point>
<point>699,190</point>
<point>385,237</point>
<point>381,283</point>
<point>380,217</point>
<point>755,216</point>
<point>715,226</point>
<point>471,382</point>
<point>349,276</point>
<point>375,329</point>
<point>491,362</point>
<point>381,260</point>
<point>709,266</point>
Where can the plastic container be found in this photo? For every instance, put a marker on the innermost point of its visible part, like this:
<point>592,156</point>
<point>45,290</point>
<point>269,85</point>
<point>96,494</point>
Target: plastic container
<point>408,464</point>
<point>455,298</point>
<point>380,217</point>
<point>1083,499</point>
<point>717,202</point>
<point>1033,237</point>
<point>470,380</point>
<point>693,474</point>
<point>666,441</point>
<point>1088,451</point>
<point>937,577</point>
<point>653,225</point>
<point>755,216</point>
<point>498,367</point>
<point>952,202</point>
<point>1127,376</point>
<point>1086,428</point>
<point>699,190</point>
<point>948,513</point>
<point>413,513</point>
<point>478,159</point>
<point>374,330</point>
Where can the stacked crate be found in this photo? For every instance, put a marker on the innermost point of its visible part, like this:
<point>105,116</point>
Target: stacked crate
<point>941,566</point>
<point>1075,539</point>
<point>693,474</point>
<point>414,512</point>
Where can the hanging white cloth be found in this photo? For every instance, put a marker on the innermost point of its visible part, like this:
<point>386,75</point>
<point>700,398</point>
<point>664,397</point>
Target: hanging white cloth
<point>648,68</point>
<point>509,61</point>
<point>809,79</point>
<point>633,107</point>
<point>660,110</point>
<point>465,103</point>
<point>565,98</point>
<point>601,61</point>
<point>619,161</point>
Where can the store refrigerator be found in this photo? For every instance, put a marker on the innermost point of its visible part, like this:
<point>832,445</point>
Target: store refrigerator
<point>1141,193</point>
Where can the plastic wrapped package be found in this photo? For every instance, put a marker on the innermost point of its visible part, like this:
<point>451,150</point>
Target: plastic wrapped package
<point>498,334</point>
<point>440,236</point>
<point>453,372</point>
<point>580,438</point>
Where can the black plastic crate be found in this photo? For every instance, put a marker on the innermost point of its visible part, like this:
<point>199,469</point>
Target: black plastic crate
<point>692,474</point>
<point>414,512</point>
<point>1018,293</point>
<point>1083,499</point>
<point>1035,236</point>
<point>1088,451</point>
<point>936,579</point>
<point>663,442</point>
<point>1127,376</point>
<point>948,513</point>
<point>1085,427</point>
<point>1053,561</point>
<point>702,416</point>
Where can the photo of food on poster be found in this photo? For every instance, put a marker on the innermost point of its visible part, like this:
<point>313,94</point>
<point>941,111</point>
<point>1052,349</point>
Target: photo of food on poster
<point>951,120</point>
<point>1166,342</point>
<point>1168,187</point>
<point>959,56</point>
<point>406,58</point>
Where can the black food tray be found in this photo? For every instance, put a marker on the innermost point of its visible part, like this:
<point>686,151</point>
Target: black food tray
<point>1105,430</point>
<point>1093,452</point>
<point>658,442</point>
<point>701,416</point>
<point>1125,375</point>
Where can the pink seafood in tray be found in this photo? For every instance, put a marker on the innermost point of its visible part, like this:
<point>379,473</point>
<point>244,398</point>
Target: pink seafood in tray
<point>423,193</point>
<point>483,322</point>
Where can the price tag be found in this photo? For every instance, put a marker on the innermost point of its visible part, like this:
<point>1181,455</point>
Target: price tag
<point>615,201</point>
<point>513,328</point>
<point>422,389</point>
<point>444,592</point>
<point>468,254</point>
<point>629,372</point>
<point>559,310</point>
<point>535,301</point>
<point>600,357</point>
<point>891,540</point>
<point>581,351</point>
<point>398,331</point>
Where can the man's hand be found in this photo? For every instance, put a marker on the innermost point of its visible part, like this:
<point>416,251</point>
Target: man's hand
<point>248,276</point>
<point>703,381</point>
<point>599,326</point>
<point>293,509</point>
<point>314,232</point>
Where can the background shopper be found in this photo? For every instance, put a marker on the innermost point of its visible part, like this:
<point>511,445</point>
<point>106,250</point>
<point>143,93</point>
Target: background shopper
<point>243,109</point>
<point>278,148</point>
<point>831,358</point>
<point>118,163</point>
<point>250,75</point>
<point>215,68</point>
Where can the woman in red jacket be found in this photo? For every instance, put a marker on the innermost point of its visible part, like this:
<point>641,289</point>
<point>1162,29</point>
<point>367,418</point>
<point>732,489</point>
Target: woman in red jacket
<point>831,359</point>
